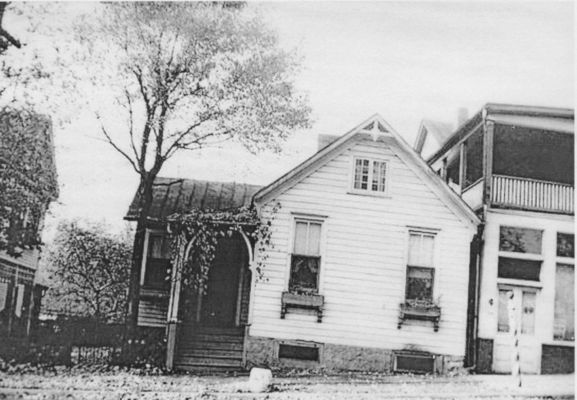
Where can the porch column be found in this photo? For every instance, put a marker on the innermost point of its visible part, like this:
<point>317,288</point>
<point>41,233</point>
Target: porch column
<point>252,268</point>
<point>174,300</point>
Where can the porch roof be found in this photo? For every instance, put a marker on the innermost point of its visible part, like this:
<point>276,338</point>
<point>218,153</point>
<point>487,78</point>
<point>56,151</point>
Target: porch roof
<point>177,195</point>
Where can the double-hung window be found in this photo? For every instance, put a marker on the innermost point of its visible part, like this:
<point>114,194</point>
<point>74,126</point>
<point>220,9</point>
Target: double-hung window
<point>306,257</point>
<point>157,261</point>
<point>420,268</point>
<point>370,175</point>
<point>564,321</point>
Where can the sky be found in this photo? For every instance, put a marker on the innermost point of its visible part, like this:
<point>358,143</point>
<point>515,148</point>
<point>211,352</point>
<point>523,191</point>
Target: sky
<point>404,60</point>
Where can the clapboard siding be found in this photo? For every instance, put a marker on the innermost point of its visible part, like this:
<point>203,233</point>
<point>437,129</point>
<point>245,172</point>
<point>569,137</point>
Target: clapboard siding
<point>363,260</point>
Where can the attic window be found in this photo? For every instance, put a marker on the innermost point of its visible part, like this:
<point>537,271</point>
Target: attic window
<point>370,175</point>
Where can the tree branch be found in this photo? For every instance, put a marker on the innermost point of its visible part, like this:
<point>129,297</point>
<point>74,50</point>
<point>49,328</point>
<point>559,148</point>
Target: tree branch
<point>131,126</point>
<point>116,147</point>
<point>11,39</point>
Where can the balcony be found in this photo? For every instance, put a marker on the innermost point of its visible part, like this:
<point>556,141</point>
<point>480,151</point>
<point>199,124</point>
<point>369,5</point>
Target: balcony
<point>532,194</point>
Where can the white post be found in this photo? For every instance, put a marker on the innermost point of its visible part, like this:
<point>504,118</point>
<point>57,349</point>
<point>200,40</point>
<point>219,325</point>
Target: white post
<point>514,330</point>
<point>174,299</point>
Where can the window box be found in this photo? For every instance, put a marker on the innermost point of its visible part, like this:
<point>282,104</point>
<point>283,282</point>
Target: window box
<point>305,301</point>
<point>421,310</point>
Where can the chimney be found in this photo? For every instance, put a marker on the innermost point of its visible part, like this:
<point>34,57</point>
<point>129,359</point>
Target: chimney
<point>462,116</point>
<point>325,140</point>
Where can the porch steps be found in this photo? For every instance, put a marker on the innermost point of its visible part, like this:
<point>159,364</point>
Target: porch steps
<point>203,349</point>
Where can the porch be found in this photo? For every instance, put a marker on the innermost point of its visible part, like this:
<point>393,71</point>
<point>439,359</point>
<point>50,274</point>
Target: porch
<point>209,333</point>
<point>203,323</point>
<point>514,167</point>
<point>523,194</point>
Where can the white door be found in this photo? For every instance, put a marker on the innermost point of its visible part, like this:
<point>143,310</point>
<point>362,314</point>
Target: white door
<point>516,303</point>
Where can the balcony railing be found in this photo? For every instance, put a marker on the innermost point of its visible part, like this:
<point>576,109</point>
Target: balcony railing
<point>532,194</point>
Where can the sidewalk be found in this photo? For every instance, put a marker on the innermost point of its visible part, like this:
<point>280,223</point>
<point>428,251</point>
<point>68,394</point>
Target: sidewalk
<point>124,386</point>
<point>533,385</point>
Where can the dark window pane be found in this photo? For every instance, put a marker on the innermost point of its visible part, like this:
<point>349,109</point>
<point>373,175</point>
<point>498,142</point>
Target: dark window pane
<point>157,273</point>
<point>158,246</point>
<point>415,363</point>
<point>419,283</point>
<point>565,245</point>
<point>474,150</point>
<point>513,268</point>
<point>564,323</point>
<point>453,168</point>
<point>520,240</point>
<point>308,353</point>
<point>304,274</point>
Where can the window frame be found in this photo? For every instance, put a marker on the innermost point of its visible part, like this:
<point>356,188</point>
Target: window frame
<point>521,256</point>
<point>145,251</point>
<point>564,261</point>
<point>434,233</point>
<point>310,218</point>
<point>369,191</point>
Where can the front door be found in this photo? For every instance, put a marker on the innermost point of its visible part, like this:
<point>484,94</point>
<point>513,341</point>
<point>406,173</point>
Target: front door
<point>516,305</point>
<point>219,303</point>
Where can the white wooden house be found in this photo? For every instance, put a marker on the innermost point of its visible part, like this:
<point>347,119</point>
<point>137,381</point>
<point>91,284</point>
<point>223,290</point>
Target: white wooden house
<point>364,233</point>
<point>369,268</point>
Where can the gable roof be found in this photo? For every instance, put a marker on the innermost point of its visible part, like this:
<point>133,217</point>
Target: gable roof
<point>439,130</point>
<point>376,127</point>
<point>172,195</point>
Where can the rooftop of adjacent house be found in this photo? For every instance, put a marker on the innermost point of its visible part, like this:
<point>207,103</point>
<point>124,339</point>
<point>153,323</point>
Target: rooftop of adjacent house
<point>440,130</point>
<point>554,119</point>
<point>176,195</point>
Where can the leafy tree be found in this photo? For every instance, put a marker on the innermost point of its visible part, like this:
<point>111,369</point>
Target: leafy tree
<point>27,177</point>
<point>90,270</point>
<point>187,75</point>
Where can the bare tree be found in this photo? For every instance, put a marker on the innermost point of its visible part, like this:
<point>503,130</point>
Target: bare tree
<point>188,75</point>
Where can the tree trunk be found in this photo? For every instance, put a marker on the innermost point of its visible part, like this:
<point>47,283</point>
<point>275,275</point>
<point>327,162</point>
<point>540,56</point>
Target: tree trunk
<point>145,191</point>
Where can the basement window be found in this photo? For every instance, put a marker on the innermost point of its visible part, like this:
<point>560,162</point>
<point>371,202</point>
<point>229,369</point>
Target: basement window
<point>416,362</point>
<point>299,351</point>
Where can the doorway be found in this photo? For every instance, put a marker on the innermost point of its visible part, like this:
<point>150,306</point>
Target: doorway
<point>519,303</point>
<point>219,305</point>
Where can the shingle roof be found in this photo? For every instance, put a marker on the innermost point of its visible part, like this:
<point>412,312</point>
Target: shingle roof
<point>172,195</point>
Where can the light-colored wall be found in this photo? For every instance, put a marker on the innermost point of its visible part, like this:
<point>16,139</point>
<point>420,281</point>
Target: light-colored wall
<point>364,256</point>
<point>550,224</point>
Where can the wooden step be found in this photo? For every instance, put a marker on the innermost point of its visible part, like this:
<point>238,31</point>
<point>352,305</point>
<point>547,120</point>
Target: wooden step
<point>203,370</point>
<point>209,329</point>
<point>208,346</point>
<point>212,353</point>
<point>211,338</point>
<point>208,362</point>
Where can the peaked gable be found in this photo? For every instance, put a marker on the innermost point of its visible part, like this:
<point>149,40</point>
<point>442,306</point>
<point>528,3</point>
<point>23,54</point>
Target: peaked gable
<point>377,129</point>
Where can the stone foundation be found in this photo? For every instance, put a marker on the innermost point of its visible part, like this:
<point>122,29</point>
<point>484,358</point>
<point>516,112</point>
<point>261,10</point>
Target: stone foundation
<point>557,359</point>
<point>263,352</point>
<point>484,356</point>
